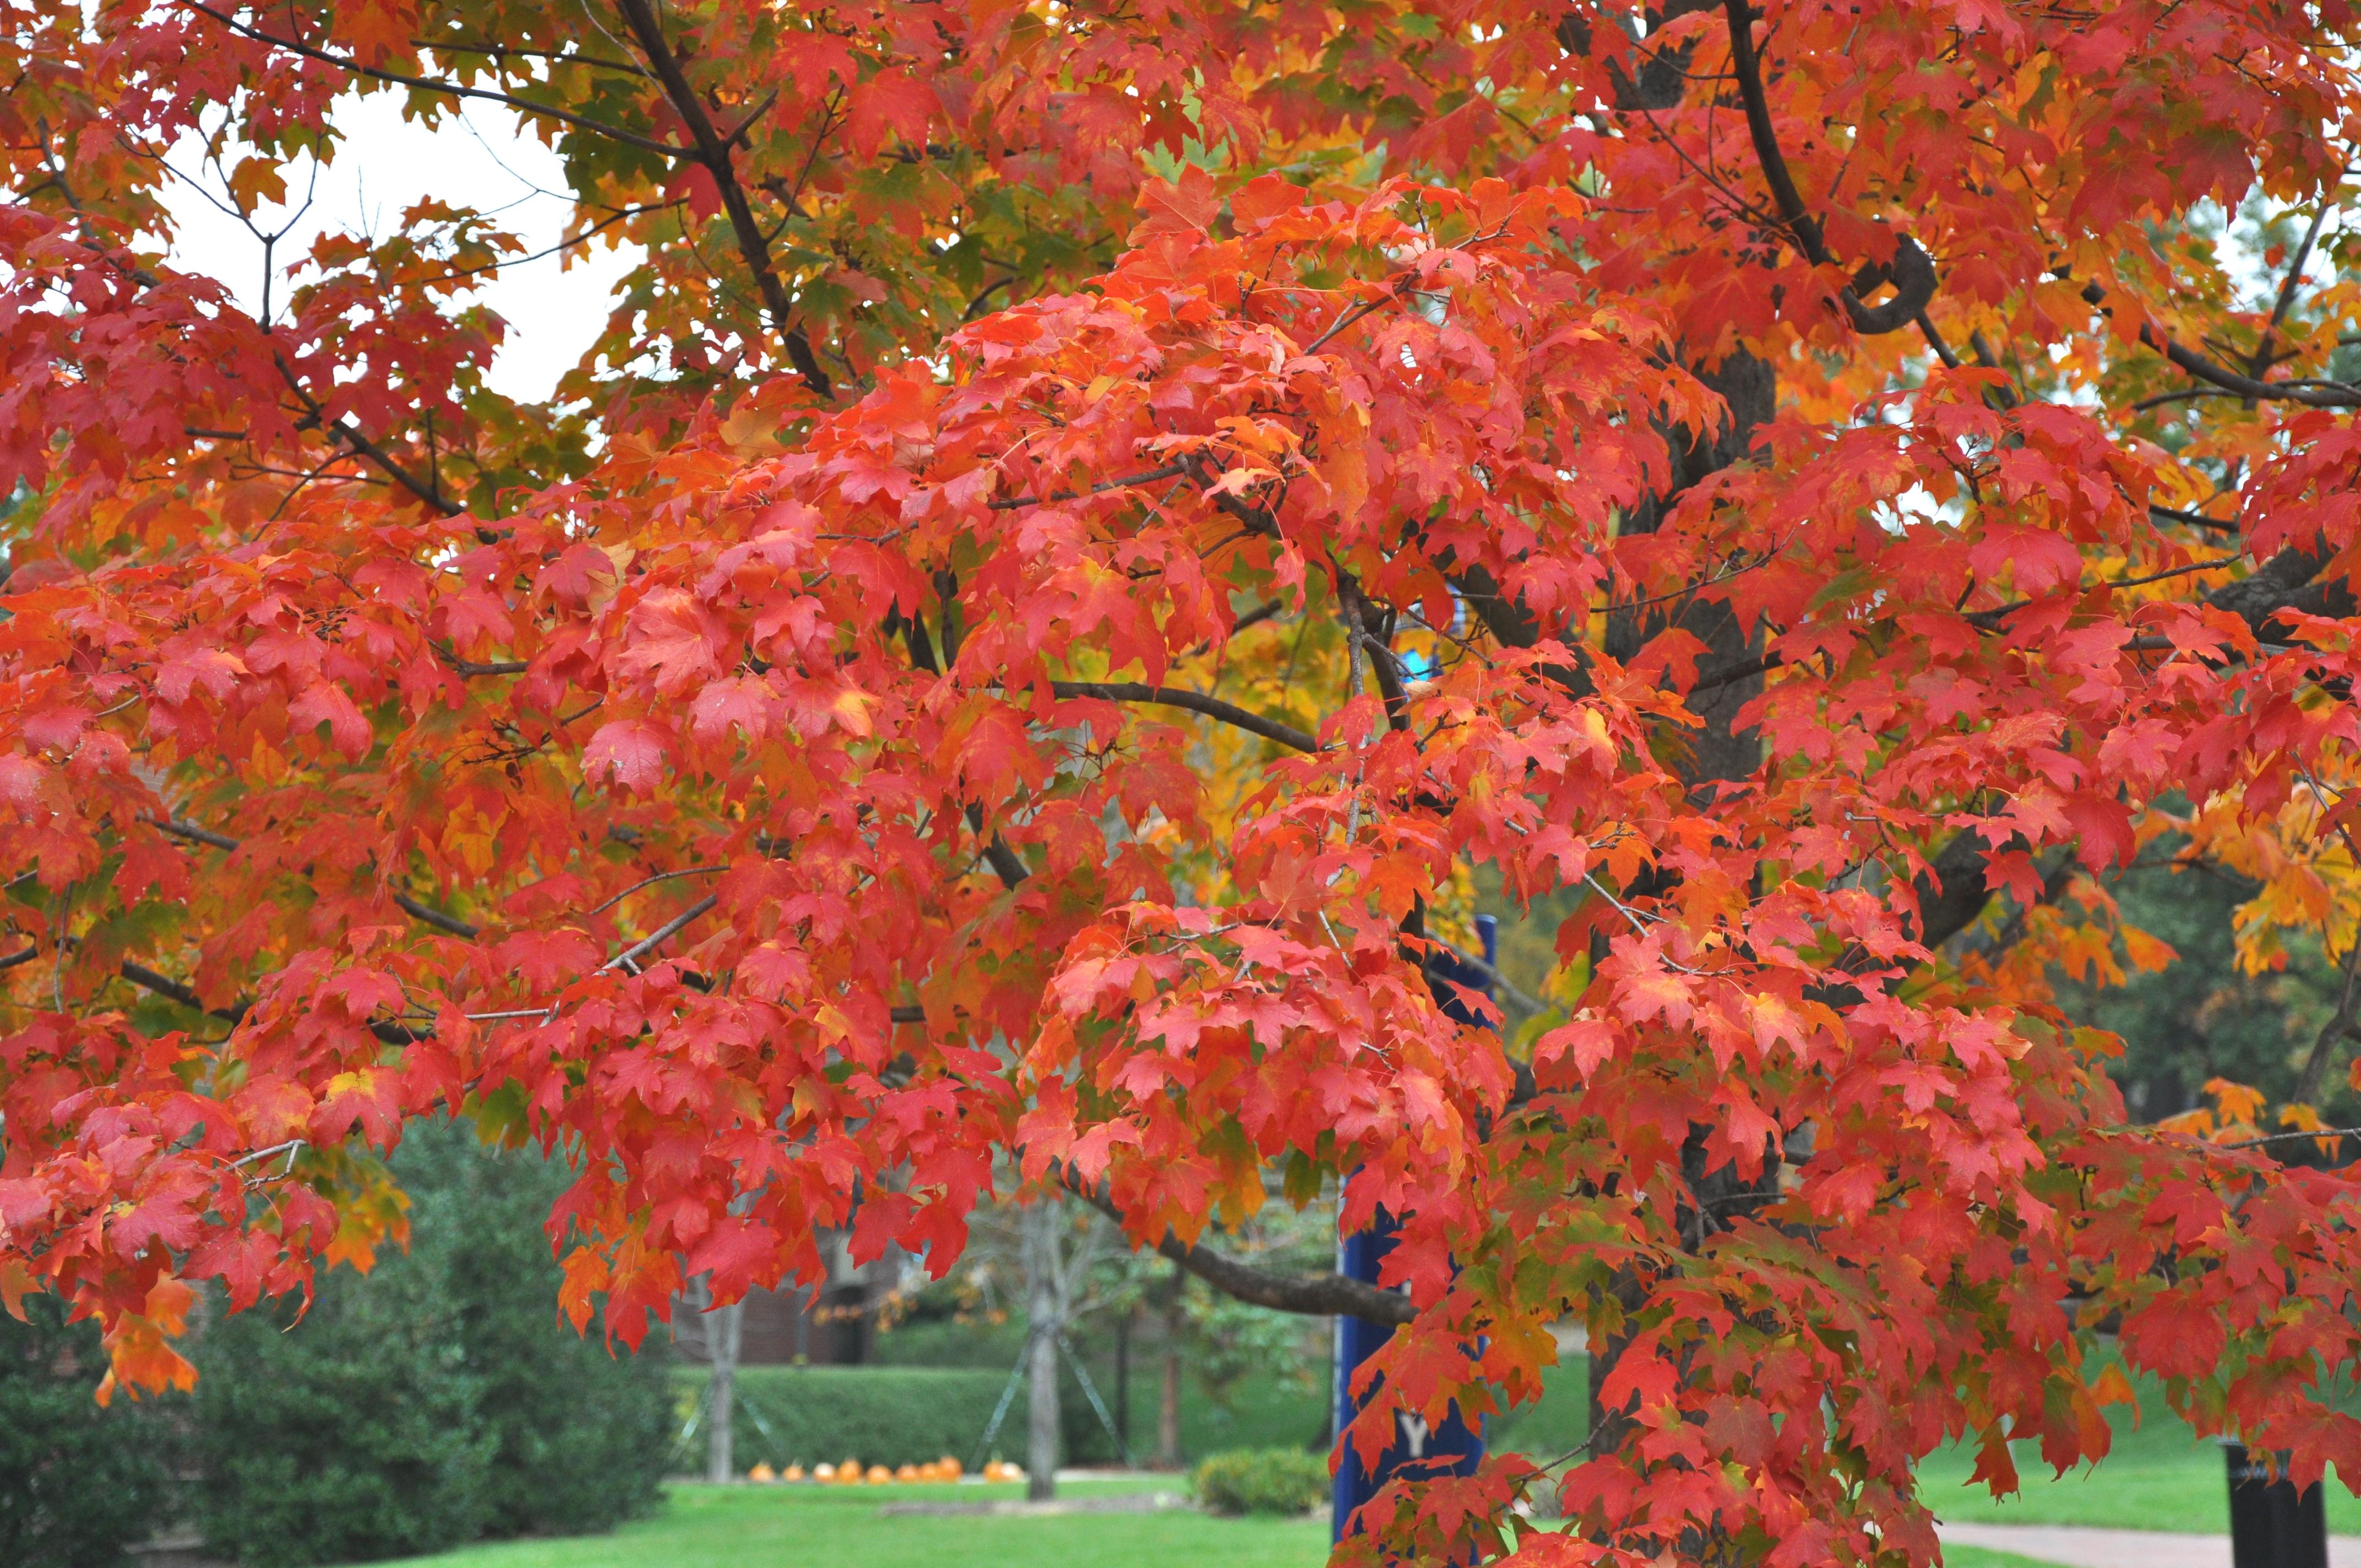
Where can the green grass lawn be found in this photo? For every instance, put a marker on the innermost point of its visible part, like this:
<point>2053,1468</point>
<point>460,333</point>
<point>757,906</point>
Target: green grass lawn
<point>704,1525</point>
<point>2156,1476</point>
<point>2166,1486</point>
<point>2177,1485</point>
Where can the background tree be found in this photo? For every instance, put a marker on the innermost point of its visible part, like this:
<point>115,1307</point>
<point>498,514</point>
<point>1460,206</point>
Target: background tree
<point>715,1336</point>
<point>1802,489</point>
<point>78,1483</point>
<point>433,1402</point>
<point>1048,1300</point>
<point>1060,1264</point>
<point>2189,1011</point>
<point>1202,1333</point>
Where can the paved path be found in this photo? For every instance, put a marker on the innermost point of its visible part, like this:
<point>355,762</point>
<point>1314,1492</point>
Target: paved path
<point>2073,1547</point>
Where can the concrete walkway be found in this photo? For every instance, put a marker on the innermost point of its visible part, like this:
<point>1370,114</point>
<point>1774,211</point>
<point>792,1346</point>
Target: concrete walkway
<point>2073,1547</point>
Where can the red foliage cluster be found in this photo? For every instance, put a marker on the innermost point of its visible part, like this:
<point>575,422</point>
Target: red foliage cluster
<point>1001,662</point>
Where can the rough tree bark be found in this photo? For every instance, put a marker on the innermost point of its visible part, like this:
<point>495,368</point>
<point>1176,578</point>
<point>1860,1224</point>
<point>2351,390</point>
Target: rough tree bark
<point>1045,1318</point>
<point>1167,1407</point>
<point>1719,751</point>
<point>721,1329</point>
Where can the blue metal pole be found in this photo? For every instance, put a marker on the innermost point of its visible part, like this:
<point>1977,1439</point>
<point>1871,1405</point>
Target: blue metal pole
<point>1453,1448</point>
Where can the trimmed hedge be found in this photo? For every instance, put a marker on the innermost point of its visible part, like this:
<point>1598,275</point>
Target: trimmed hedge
<point>1259,1413</point>
<point>1262,1481</point>
<point>896,1414</point>
<point>879,1415</point>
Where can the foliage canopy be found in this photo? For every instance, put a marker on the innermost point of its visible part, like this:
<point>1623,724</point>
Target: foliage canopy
<point>1085,530</point>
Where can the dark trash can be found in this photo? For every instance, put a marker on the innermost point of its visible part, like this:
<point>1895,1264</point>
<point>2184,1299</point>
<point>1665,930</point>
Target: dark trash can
<point>2272,1525</point>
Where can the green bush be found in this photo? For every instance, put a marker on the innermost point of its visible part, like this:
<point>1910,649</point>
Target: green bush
<point>1262,1481</point>
<point>78,1483</point>
<point>582,1431</point>
<point>437,1399</point>
<point>879,1415</point>
<point>357,1434</point>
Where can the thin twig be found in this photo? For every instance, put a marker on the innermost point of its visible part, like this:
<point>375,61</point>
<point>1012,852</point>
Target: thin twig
<point>194,834</point>
<point>428,914</point>
<point>1012,503</point>
<point>656,937</point>
<point>429,84</point>
<point>2290,1138</point>
<point>651,882</point>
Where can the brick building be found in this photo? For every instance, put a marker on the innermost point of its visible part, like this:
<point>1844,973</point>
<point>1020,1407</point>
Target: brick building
<point>834,1325</point>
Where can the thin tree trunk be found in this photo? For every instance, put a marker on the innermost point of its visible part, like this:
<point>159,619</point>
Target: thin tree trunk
<point>1123,1384</point>
<point>724,1328</point>
<point>1167,1407</point>
<point>1043,1323</point>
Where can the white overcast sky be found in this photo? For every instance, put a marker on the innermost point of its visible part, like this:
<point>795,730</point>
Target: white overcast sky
<point>555,306</point>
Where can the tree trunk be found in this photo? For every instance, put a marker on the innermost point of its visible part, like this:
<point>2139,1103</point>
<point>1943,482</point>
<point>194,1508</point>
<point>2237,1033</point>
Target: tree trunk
<point>1167,1407</point>
<point>723,1333</point>
<point>1043,1324</point>
<point>1122,1385</point>
<point>1717,750</point>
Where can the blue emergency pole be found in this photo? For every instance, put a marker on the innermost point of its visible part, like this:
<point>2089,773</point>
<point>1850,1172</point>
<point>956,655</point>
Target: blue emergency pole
<point>1453,1448</point>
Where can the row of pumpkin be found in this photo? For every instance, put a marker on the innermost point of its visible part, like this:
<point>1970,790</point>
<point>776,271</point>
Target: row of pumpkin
<point>851,1473</point>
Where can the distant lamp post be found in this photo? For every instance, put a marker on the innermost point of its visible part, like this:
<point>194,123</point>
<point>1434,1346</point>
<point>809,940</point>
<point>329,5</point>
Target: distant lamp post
<point>2273,1525</point>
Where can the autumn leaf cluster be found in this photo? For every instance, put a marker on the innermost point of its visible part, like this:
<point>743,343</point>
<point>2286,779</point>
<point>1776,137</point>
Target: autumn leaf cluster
<point>1087,533</point>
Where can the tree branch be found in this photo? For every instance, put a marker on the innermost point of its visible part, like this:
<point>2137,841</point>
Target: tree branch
<point>713,153</point>
<point>427,915</point>
<point>1313,1295</point>
<point>173,990</point>
<point>1195,702</point>
<point>407,904</point>
<point>1255,520</point>
<point>343,430</point>
<point>2315,1062</point>
<point>1911,272</point>
<point>640,949</point>
<point>2310,394</point>
<point>1953,893</point>
<point>2281,583</point>
<point>502,52</point>
<point>1363,622</point>
<point>2261,360</point>
<point>1012,503</point>
<point>194,833</point>
<point>2194,518</point>
<point>1005,863</point>
<point>429,84</point>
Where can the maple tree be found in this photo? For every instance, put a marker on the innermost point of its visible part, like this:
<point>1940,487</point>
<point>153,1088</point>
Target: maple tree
<point>1084,531</point>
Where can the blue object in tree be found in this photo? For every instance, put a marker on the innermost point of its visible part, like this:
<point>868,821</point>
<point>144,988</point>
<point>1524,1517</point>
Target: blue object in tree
<point>1453,1447</point>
